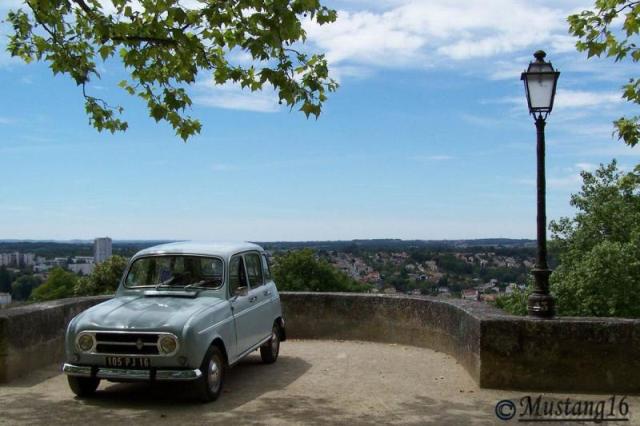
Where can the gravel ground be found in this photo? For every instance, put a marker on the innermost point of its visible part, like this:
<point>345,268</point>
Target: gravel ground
<point>313,382</point>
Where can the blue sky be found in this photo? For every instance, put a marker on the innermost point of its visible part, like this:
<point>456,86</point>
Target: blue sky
<point>428,137</point>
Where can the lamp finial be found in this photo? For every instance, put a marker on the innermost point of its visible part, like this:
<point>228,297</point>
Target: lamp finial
<point>540,55</point>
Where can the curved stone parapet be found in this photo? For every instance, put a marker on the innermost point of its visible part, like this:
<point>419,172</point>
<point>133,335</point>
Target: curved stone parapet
<point>448,326</point>
<point>498,350</point>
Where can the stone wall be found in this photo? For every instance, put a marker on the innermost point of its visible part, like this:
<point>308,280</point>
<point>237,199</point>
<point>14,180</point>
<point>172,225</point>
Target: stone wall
<point>498,350</point>
<point>564,354</point>
<point>450,327</point>
<point>32,336</point>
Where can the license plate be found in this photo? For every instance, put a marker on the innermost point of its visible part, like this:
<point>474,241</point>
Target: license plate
<point>127,362</point>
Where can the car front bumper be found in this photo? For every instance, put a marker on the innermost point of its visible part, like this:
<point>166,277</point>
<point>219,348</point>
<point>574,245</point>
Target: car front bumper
<point>122,374</point>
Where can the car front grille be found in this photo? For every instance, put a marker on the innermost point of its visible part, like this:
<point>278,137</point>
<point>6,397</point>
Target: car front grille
<point>127,343</point>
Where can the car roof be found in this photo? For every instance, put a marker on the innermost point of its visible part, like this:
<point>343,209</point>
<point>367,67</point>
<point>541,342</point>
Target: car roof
<point>213,248</point>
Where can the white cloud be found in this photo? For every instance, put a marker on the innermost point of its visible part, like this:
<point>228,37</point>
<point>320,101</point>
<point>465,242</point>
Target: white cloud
<point>582,98</point>
<point>569,180</point>
<point>585,99</point>
<point>422,33</point>
<point>229,96</point>
<point>566,182</point>
<point>570,99</point>
<point>589,167</point>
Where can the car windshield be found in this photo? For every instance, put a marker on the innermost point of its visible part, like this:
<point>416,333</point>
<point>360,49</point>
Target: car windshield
<point>175,271</point>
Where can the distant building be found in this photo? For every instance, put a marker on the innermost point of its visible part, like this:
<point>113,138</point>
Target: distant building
<point>81,268</point>
<point>513,287</point>
<point>102,249</point>
<point>10,259</point>
<point>488,297</point>
<point>60,261</point>
<point>5,299</point>
<point>41,267</point>
<point>471,294</point>
<point>28,259</point>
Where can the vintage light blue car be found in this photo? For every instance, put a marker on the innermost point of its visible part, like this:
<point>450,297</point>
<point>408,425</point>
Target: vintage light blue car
<point>183,311</point>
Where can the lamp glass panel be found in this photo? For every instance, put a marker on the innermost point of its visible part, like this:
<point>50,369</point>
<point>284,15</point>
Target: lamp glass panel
<point>540,90</point>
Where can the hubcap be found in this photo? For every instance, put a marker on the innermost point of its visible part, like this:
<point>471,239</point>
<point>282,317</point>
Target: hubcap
<point>214,373</point>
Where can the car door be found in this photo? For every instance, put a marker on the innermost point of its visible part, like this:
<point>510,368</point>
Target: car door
<point>270,287</point>
<point>241,305</point>
<point>260,295</point>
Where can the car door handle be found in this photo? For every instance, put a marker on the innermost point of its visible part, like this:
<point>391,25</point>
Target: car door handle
<point>253,299</point>
<point>267,292</point>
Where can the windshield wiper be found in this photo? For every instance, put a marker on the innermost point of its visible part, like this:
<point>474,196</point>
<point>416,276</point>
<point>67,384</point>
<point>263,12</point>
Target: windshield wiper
<point>192,285</point>
<point>165,283</point>
<point>199,283</point>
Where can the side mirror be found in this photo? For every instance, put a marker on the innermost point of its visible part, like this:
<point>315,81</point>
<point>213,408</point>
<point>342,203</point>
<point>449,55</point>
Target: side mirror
<point>241,291</point>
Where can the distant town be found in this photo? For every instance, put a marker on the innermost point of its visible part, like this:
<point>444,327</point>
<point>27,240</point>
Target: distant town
<point>469,269</point>
<point>38,266</point>
<point>469,275</point>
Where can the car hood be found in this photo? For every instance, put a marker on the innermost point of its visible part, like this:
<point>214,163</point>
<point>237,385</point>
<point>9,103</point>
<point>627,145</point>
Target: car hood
<point>145,313</point>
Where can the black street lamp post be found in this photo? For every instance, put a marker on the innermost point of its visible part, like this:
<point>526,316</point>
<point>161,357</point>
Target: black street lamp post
<point>540,82</point>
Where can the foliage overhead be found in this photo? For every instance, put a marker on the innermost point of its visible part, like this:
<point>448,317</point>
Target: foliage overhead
<point>611,29</point>
<point>300,270</point>
<point>165,46</point>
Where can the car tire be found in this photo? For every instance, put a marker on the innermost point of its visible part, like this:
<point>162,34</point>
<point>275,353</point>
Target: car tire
<point>269,351</point>
<point>213,371</point>
<point>83,387</point>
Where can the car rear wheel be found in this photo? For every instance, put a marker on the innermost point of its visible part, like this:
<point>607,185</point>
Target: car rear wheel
<point>213,371</point>
<point>270,350</point>
<point>83,387</point>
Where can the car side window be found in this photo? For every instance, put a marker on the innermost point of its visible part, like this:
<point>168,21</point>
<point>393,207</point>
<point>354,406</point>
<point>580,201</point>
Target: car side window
<point>254,269</point>
<point>237,277</point>
<point>266,268</point>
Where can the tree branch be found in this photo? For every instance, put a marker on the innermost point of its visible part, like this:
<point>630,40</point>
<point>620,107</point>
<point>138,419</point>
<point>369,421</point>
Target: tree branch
<point>85,7</point>
<point>147,39</point>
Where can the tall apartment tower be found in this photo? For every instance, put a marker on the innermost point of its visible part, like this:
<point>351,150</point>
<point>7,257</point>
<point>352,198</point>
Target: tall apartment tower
<point>101,249</point>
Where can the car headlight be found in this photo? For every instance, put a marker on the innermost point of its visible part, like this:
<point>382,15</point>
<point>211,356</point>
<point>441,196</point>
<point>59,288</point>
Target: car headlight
<point>168,344</point>
<point>85,342</point>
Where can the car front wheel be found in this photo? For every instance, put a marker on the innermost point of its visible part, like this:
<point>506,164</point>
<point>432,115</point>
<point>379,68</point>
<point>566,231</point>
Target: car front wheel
<point>83,386</point>
<point>213,369</point>
<point>270,350</point>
